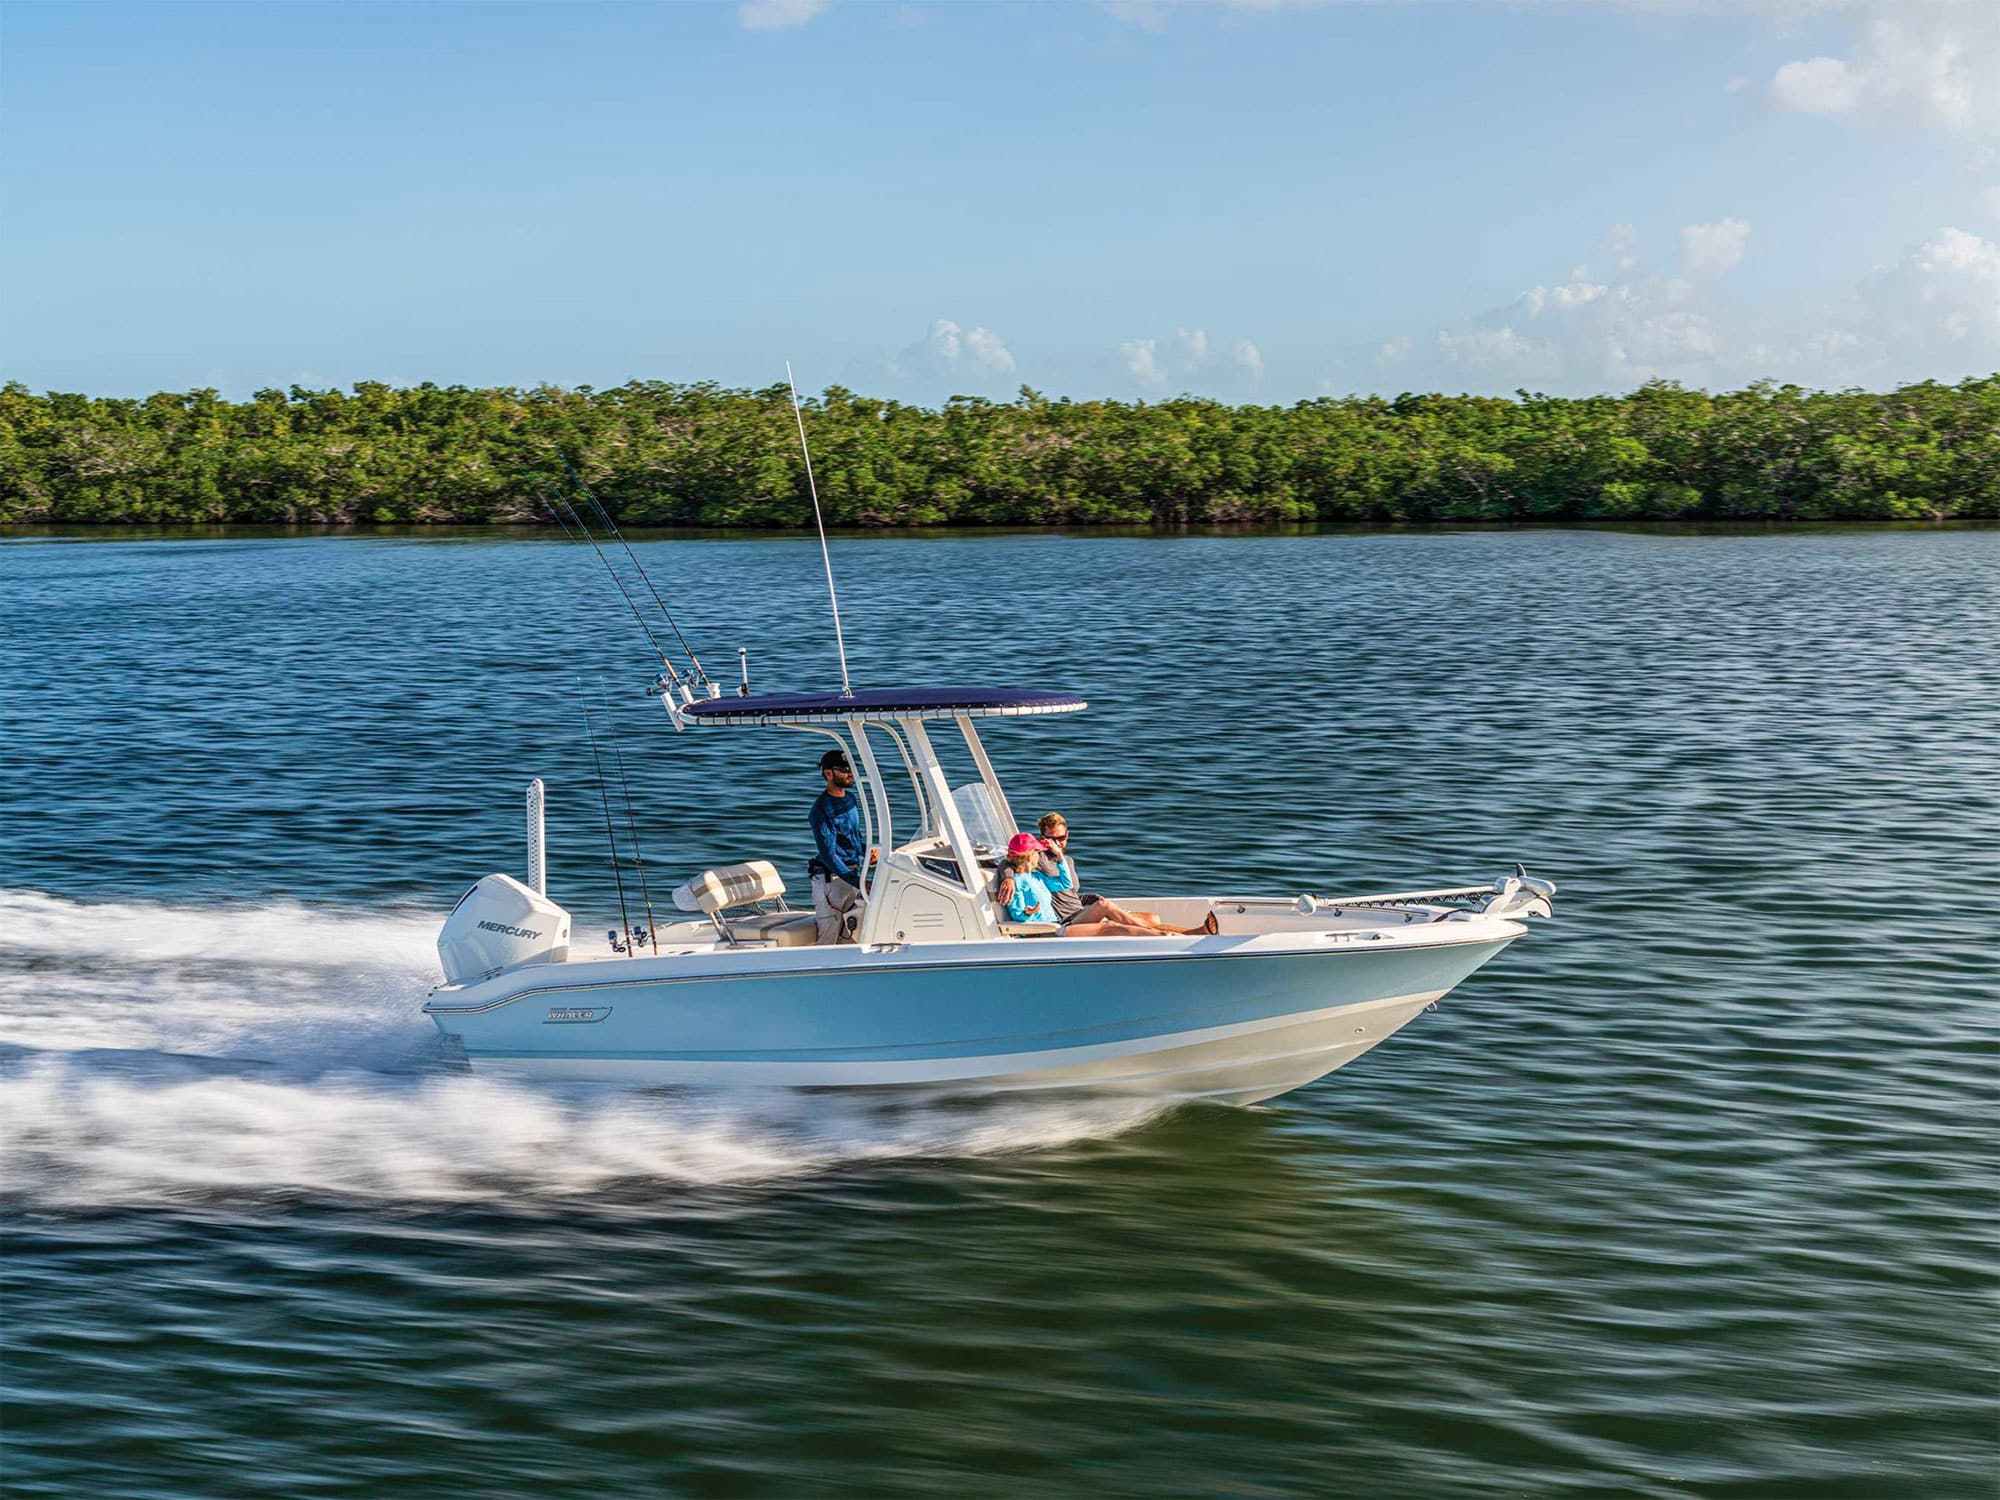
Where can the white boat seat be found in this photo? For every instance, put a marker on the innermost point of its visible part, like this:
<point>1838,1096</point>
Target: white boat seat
<point>781,929</point>
<point>1030,929</point>
<point>731,885</point>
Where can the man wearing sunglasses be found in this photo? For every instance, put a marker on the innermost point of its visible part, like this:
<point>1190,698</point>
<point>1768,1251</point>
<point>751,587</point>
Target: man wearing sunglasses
<point>840,840</point>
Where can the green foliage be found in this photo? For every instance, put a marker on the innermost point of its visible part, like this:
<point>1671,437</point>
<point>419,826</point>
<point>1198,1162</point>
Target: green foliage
<point>702,455</point>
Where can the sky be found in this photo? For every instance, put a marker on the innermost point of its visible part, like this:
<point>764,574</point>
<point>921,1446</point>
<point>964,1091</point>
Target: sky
<point>1257,201</point>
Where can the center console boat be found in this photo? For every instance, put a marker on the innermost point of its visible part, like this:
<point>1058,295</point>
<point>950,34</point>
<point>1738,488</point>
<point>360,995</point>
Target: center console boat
<point>937,993</point>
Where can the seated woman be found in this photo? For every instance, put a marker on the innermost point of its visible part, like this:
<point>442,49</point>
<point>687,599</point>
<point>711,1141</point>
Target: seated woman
<point>1074,904</point>
<point>1028,896</point>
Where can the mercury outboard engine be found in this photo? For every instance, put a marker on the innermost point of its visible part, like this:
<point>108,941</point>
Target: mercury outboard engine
<point>501,924</point>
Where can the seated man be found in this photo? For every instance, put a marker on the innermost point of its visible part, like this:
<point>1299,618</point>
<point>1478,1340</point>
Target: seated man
<point>1074,905</point>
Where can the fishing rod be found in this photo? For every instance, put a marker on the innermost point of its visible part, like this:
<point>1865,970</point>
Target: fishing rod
<point>630,603</point>
<point>576,479</point>
<point>604,796</point>
<point>652,931</point>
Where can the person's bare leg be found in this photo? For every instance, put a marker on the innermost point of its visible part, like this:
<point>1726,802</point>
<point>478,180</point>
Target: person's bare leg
<point>1208,928</point>
<point>1101,910</point>
<point>1108,929</point>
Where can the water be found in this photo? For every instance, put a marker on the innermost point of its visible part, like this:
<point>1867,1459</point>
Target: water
<point>1693,1192</point>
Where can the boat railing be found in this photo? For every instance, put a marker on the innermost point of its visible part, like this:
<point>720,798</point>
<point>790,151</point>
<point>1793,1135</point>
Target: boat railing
<point>1449,895</point>
<point>1506,897</point>
<point>1457,893</point>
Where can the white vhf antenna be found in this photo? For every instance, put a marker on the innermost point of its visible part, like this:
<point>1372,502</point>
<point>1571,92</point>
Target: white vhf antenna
<point>839,640</point>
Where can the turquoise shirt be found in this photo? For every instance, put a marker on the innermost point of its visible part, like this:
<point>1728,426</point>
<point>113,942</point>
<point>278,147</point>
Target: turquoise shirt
<point>1034,895</point>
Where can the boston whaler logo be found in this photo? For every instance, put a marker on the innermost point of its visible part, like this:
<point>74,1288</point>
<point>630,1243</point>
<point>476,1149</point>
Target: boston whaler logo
<point>519,932</point>
<point>577,1013</point>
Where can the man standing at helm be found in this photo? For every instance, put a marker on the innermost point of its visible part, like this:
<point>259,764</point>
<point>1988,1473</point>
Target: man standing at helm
<point>842,844</point>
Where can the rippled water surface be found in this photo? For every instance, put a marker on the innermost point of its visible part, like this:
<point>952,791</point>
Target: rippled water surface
<point>1691,1192</point>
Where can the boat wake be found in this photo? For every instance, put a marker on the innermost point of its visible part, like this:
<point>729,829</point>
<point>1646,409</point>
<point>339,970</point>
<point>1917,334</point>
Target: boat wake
<point>154,1053</point>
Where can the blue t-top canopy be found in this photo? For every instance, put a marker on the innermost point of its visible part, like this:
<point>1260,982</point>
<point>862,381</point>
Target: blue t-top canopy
<point>880,703</point>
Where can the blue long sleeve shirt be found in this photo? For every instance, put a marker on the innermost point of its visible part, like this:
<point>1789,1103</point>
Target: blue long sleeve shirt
<point>1034,899</point>
<point>839,835</point>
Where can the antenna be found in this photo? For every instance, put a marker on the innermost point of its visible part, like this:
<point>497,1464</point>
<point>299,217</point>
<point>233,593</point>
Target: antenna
<point>839,640</point>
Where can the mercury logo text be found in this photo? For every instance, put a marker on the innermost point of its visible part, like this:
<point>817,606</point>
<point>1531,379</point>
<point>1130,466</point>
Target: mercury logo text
<point>520,932</point>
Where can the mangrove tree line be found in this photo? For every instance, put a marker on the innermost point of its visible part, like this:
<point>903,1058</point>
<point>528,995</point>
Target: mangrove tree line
<point>703,455</point>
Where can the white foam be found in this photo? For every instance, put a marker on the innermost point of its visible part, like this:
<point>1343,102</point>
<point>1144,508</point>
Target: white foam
<point>189,1052</point>
<point>280,983</point>
<point>280,932</point>
<point>76,1137</point>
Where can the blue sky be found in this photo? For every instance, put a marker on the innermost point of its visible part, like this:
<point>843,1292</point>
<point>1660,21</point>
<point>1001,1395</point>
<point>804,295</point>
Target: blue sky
<point>1256,201</point>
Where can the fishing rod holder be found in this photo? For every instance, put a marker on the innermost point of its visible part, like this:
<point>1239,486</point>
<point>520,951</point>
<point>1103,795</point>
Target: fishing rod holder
<point>663,687</point>
<point>669,688</point>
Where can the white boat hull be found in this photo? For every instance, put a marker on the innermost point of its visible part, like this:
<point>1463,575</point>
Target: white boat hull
<point>1241,1064</point>
<point>1229,1019</point>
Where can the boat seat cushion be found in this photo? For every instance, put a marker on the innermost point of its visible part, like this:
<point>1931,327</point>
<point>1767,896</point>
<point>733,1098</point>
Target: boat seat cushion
<point>731,885</point>
<point>782,929</point>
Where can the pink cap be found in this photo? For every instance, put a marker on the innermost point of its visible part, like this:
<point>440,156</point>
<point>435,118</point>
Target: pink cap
<point>1025,843</point>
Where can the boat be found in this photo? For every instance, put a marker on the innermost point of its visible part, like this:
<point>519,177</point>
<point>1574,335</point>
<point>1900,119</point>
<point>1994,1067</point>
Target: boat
<point>937,994</point>
<point>931,991</point>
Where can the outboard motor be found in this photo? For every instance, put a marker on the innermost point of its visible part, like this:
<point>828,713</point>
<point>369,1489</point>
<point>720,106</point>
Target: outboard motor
<point>500,924</point>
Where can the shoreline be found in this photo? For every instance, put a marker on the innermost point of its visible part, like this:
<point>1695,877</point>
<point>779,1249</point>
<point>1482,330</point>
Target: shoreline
<point>704,458</point>
<point>223,531</point>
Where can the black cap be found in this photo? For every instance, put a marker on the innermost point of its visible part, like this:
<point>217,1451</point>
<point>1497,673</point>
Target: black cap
<point>834,760</point>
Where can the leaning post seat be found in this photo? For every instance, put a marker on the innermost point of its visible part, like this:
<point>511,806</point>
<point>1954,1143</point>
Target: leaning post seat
<point>716,891</point>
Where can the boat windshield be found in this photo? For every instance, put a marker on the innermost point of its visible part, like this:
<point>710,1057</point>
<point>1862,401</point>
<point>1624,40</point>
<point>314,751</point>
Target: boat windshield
<point>981,818</point>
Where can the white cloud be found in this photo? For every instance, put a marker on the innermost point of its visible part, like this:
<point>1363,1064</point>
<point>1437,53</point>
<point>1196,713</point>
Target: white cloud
<point>988,349</point>
<point>947,341</point>
<point>1913,62</point>
<point>1575,292</point>
<point>1942,300</point>
<point>1711,249</point>
<point>1955,251</point>
<point>1499,351</point>
<point>1989,201</point>
<point>1154,363</point>
<point>777,15</point>
<point>1621,243</point>
<point>1142,361</point>
<point>1815,86</point>
<point>1147,15</point>
<point>1249,359</point>
<point>1934,314</point>
<point>955,359</point>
